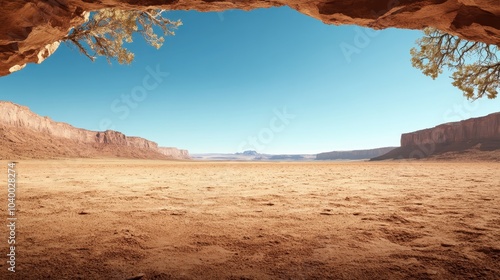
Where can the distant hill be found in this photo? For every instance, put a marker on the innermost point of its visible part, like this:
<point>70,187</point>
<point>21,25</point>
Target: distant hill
<point>288,157</point>
<point>474,137</point>
<point>253,156</point>
<point>354,155</point>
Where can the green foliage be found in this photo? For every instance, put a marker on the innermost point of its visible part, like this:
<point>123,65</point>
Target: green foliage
<point>105,33</point>
<point>476,65</point>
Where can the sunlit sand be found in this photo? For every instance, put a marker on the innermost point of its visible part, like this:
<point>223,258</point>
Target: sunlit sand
<point>116,219</point>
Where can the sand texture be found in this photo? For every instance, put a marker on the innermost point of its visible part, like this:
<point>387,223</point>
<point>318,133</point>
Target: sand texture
<point>117,219</point>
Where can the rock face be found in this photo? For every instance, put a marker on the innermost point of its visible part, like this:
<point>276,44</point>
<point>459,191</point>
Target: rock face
<point>475,129</point>
<point>30,30</point>
<point>477,133</point>
<point>354,155</point>
<point>21,119</point>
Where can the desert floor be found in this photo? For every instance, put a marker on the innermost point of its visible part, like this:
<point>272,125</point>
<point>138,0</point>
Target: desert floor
<point>116,219</point>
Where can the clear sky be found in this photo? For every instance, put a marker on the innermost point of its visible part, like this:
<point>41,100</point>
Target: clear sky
<point>271,80</point>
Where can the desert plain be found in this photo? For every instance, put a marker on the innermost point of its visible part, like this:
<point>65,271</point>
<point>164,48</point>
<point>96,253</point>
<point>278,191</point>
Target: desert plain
<point>153,219</point>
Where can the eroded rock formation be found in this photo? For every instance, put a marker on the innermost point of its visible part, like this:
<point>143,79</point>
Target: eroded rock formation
<point>482,134</point>
<point>31,30</point>
<point>16,119</point>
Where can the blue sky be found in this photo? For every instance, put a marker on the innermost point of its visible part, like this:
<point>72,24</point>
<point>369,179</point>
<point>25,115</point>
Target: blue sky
<point>271,80</point>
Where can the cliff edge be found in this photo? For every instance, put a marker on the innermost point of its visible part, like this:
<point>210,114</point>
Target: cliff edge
<point>470,136</point>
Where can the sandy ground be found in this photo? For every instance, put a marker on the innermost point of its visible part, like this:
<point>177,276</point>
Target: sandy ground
<point>116,219</point>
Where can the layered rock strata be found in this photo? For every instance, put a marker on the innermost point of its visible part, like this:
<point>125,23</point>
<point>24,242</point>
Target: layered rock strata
<point>20,120</point>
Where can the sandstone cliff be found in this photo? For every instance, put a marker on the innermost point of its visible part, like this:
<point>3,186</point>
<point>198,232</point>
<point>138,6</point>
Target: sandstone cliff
<point>20,125</point>
<point>31,30</point>
<point>480,134</point>
<point>484,128</point>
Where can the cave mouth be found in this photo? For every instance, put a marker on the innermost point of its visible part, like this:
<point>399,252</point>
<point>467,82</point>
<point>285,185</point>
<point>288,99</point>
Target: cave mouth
<point>29,30</point>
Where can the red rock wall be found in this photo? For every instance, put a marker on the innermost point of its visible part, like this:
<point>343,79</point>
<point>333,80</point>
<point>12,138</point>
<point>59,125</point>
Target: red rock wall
<point>14,115</point>
<point>484,128</point>
<point>139,142</point>
<point>30,30</point>
<point>111,137</point>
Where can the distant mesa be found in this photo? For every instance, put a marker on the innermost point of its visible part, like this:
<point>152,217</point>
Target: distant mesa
<point>354,155</point>
<point>335,155</point>
<point>248,153</point>
<point>475,138</point>
<point>24,134</point>
<point>251,155</point>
